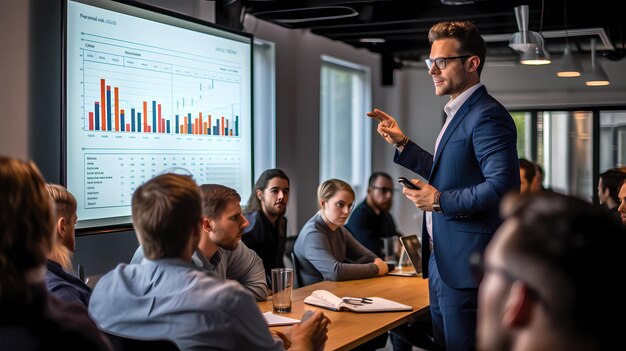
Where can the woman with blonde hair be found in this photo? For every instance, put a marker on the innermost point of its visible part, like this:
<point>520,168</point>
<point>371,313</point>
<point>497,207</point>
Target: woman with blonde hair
<point>325,250</point>
<point>61,283</point>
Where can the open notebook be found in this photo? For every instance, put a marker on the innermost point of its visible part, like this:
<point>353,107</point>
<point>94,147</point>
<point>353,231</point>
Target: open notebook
<point>328,300</point>
<point>411,246</point>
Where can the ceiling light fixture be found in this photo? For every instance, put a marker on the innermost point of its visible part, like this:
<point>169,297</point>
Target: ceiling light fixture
<point>530,44</point>
<point>597,77</point>
<point>372,40</point>
<point>536,56</point>
<point>570,67</point>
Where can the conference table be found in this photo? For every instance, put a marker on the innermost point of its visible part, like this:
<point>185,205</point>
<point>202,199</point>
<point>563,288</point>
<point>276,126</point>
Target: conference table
<point>348,329</point>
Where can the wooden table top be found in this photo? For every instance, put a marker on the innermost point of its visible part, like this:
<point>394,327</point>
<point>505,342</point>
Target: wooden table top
<point>349,329</point>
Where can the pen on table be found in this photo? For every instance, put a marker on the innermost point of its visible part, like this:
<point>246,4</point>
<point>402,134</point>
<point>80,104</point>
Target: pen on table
<point>358,299</point>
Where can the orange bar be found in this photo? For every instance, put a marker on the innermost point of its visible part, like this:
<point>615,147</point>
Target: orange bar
<point>222,125</point>
<point>117,108</point>
<point>145,116</point>
<point>210,126</point>
<point>103,125</point>
<point>90,120</point>
<point>160,129</point>
<point>200,131</point>
<point>185,124</point>
<point>204,131</point>
<point>196,126</point>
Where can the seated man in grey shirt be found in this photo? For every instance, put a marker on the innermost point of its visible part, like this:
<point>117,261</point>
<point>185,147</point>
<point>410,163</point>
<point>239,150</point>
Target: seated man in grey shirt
<point>226,258</point>
<point>166,296</point>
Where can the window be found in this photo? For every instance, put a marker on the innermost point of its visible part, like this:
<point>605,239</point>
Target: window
<point>264,140</point>
<point>570,149</point>
<point>612,139</point>
<point>565,151</point>
<point>524,133</point>
<point>345,131</point>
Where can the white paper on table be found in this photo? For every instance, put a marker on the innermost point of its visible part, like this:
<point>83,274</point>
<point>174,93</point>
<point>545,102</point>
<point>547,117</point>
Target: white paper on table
<point>274,319</point>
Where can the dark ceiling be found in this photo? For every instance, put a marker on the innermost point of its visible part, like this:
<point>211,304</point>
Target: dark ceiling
<point>398,29</point>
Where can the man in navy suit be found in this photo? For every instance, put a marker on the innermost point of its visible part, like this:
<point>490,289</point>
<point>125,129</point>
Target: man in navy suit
<point>474,165</point>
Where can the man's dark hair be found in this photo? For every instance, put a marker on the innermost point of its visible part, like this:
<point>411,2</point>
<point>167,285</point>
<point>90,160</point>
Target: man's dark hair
<point>529,169</point>
<point>254,204</point>
<point>612,180</point>
<point>564,244</point>
<point>470,40</point>
<point>375,176</point>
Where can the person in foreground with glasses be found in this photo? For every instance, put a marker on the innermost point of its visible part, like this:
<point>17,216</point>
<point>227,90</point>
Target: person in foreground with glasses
<point>166,296</point>
<point>371,220</point>
<point>474,164</point>
<point>546,277</point>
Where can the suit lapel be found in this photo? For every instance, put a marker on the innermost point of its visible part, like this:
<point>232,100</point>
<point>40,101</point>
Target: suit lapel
<point>456,121</point>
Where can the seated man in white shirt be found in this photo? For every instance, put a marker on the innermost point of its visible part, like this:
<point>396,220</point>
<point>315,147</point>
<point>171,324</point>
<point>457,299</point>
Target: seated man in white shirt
<point>223,258</point>
<point>166,296</point>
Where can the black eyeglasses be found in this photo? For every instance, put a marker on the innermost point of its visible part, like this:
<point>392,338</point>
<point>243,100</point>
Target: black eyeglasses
<point>441,62</point>
<point>478,268</point>
<point>383,189</point>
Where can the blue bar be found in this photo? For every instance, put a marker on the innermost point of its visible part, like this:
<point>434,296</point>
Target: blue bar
<point>189,131</point>
<point>177,125</point>
<point>123,125</point>
<point>109,109</point>
<point>168,126</point>
<point>139,122</point>
<point>97,125</point>
<point>132,119</point>
<point>155,126</point>
<point>236,125</point>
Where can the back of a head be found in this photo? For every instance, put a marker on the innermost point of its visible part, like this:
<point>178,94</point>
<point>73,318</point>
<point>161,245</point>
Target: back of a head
<point>26,223</point>
<point>166,212</point>
<point>254,204</point>
<point>64,200</point>
<point>65,207</point>
<point>529,169</point>
<point>471,42</point>
<point>566,249</point>
<point>612,179</point>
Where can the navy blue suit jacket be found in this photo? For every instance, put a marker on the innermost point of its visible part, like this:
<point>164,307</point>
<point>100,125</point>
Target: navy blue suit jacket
<point>475,165</point>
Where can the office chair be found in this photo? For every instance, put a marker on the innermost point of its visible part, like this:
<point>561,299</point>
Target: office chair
<point>296,271</point>
<point>123,343</point>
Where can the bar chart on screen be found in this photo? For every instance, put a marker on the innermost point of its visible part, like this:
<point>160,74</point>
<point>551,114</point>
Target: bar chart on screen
<point>147,93</point>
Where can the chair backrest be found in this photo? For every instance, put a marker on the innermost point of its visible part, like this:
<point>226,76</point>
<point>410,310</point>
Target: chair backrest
<point>296,270</point>
<point>123,343</point>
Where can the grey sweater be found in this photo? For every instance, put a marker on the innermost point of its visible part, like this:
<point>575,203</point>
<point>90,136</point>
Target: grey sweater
<point>324,254</point>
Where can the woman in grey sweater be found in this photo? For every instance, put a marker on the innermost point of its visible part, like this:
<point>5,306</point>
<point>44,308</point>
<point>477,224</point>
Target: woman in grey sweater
<point>325,250</point>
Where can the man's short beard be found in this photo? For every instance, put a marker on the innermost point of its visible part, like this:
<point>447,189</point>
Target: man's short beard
<point>272,212</point>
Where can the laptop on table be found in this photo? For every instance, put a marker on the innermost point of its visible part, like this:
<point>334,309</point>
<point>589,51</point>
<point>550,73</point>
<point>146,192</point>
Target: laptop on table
<point>411,247</point>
